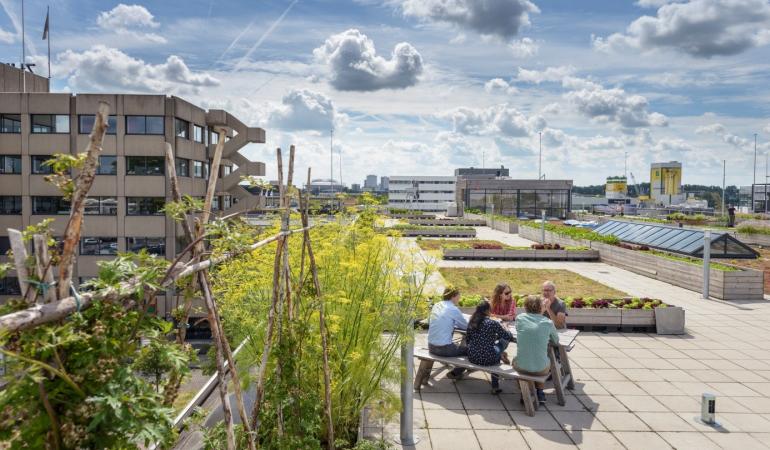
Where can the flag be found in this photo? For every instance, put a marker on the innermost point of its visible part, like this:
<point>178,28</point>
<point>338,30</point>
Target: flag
<point>45,27</point>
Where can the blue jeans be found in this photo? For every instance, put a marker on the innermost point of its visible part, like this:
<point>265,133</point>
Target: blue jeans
<point>452,349</point>
<point>500,347</point>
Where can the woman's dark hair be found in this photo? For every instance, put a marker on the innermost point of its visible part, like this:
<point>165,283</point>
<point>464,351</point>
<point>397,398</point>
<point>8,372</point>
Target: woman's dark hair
<point>481,313</point>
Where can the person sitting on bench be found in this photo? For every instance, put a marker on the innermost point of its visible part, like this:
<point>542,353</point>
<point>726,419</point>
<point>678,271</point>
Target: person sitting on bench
<point>553,307</point>
<point>487,341</point>
<point>444,318</point>
<point>534,332</point>
<point>503,306</point>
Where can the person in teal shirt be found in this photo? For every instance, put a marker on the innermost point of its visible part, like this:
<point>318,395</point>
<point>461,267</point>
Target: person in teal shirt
<point>533,334</point>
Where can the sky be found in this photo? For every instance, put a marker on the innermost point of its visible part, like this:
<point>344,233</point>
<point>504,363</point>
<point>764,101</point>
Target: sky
<point>421,87</point>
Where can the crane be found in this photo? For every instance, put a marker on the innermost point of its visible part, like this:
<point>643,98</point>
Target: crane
<point>636,185</point>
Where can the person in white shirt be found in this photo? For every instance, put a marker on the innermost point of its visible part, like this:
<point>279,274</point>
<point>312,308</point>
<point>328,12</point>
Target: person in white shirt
<point>444,318</point>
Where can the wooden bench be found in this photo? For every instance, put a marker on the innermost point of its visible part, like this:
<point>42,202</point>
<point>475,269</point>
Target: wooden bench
<point>526,382</point>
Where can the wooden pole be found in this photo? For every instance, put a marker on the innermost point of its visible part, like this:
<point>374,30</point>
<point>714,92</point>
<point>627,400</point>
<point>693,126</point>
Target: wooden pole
<point>43,263</point>
<point>20,263</point>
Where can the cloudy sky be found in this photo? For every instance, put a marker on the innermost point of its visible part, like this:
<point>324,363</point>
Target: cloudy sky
<point>420,87</point>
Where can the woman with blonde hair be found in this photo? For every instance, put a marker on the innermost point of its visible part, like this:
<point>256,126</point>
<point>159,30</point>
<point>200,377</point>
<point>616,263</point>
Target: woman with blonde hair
<point>503,306</point>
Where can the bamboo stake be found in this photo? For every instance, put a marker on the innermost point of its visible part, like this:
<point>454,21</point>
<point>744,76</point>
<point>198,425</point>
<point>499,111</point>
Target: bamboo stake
<point>83,184</point>
<point>262,370</point>
<point>43,263</point>
<point>322,324</point>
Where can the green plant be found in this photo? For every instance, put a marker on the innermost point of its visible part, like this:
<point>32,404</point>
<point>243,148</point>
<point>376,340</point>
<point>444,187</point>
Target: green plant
<point>752,229</point>
<point>576,233</point>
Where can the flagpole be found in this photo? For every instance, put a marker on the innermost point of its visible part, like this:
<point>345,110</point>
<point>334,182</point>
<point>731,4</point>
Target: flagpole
<point>23,52</point>
<point>48,35</point>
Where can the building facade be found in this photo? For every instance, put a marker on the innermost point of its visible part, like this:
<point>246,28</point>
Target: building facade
<point>481,173</point>
<point>124,209</point>
<point>515,198</point>
<point>666,183</point>
<point>421,193</point>
<point>384,184</point>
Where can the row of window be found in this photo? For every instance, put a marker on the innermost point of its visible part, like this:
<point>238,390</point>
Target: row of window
<point>98,206</point>
<point>109,245</point>
<point>108,165</point>
<point>412,182</point>
<point>60,124</point>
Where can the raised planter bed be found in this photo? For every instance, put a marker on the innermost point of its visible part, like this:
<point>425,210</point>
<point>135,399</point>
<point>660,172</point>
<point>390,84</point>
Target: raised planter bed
<point>528,254</point>
<point>448,222</point>
<point>412,216</point>
<point>740,284</point>
<point>503,225</point>
<point>754,239</point>
<point>438,232</point>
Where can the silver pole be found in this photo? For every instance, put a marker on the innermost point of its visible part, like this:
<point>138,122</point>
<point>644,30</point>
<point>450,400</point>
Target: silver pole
<point>706,262</point>
<point>24,52</point>
<point>542,228</point>
<point>754,182</point>
<point>406,435</point>
<point>724,173</point>
<point>540,160</point>
<point>764,188</point>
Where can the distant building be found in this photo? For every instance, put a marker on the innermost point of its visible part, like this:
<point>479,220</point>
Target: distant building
<point>516,198</point>
<point>355,187</point>
<point>384,184</point>
<point>370,183</point>
<point>666,183</point>
<point>325,186</point>
<point>421,193</point>
<point>616,190</point>
<point>477,173</point>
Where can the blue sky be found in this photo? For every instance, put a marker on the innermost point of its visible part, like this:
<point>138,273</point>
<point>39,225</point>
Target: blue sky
<point>425,86</point>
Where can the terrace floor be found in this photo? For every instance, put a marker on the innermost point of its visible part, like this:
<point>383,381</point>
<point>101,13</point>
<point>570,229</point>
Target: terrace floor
<point>633,390</point>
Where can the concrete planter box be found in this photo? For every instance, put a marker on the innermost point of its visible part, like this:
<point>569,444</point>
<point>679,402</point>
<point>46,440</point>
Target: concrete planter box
<point>439,233</point>
<point>533,254</point>
<point>467,309</point>
<point>502,225</point>
<point>610,317</point>
<point>412,216</point>
<point>754,239</point>
<point>448,223</point>
<point>741,284</point>
<point>637,317</point>
<point>669,320</point>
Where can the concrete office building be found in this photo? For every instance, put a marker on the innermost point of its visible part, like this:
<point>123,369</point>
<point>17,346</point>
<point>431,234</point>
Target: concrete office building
<point>421,193</point>
<point>516,198</point>
<point>370,184</point>
<point>481,173</point>
<point>384,184</point>
<point>131,186</point>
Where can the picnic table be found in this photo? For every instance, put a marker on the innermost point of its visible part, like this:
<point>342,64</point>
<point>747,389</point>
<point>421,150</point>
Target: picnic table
<point>561,371</point>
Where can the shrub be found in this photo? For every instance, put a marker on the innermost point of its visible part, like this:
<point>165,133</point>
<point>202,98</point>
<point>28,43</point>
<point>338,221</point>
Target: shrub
<point>486,246</point>
<point>751,229</point>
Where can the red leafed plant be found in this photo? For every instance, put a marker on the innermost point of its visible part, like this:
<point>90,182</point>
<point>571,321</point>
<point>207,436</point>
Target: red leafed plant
<point>487,246</point>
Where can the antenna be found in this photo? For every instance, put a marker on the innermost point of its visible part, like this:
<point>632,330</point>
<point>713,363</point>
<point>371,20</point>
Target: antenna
<point>540,161</point>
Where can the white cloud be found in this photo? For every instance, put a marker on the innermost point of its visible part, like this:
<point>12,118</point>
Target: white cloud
<point>108,69</point>
<point>496,120</point>
<point>615,106</point>
<point>498,85</point>
<point>524,48</point>
<point>132,21</point>
<point>303,109</point>
<point>7,37</point>
<point>681,79</point>
<point>551,108</point>
<point>714,128</point>
<point>500,18</point>
<point>699,28</point>
<point>550,74</point>
<point>767,128</point>
<point>353,63</point>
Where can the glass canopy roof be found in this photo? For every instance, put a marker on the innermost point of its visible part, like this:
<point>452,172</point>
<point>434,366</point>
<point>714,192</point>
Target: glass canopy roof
<point>677,240</point>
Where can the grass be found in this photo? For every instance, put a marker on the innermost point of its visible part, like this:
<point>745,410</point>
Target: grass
<point>438,244</point>
<point>693,261</point>
<point>751,229</point>
<point>477,281</point>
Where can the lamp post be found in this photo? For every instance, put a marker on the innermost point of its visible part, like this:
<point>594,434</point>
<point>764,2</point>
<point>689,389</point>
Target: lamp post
<point>754,174</point>
<point>706,262</point>
<point>540,159</point>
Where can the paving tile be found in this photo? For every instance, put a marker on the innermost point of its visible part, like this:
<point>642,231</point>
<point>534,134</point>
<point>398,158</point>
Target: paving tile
<point>670,354</point>
<point>665,421</point>
<point>694,388</point>
<point>482,401</point>
<point>592,440</point>
<point>511,402</point>
<point>607,374</point>
<point>742,441</point>
<point>602,403</point>
<point>637,353</point>
<point>440,385</point>
<point>447,418</point>
<point>673,374</point>
<point>730,404</point>
<point>753,423</point>
<point>500,439</point>
<point>762,388</point>
<point>641,374</point>
<point>734,389</point>
<point>753,364</point>
<point>488,419</point>
<point>702,355</point>
<point>542,420</point>
<point>589,363</point>
<point>656,363</point>
<point>641,403</point>
<point>722,364</point>
<point>762,437</point>
<point>623,363</point>
<point>571,403</point>
<point>575,420</point>
<point>710,375</point>
<point>688,364</point>
<point>642,440</point>
<point>622,387</point>
<point>474,386</point>
<point>464,439</point>
<point>441,400</point>
<point>589,388</point>
<point>721,426</point>
<point>686,440</point>
<point>759,405</point>
<point>547,439</point>
<point>621,421</point>
<point>659,388</point>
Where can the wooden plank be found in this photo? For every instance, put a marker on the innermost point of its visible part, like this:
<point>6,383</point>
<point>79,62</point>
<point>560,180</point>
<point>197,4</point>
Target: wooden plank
<point>20,262</point>
<point>503,370</point>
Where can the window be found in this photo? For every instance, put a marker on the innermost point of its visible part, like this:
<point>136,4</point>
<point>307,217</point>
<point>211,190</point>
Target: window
<point>145,206</point>
<point>10,123</point>
<point>99,246</point>
<point>227,202</point>
<point>9,286</point>
<point>226,170</point>
<point>86,124</point>
<point>108,165</point>
<point>206,170</point>
<point>101,206</point>
<point>214,137</point>
<point>5,245</point>
<point>144,125</point>
<point>50,205</point>
<point>198,169</point>
<point>50,123</point>
<point>10,205</point>
<point>154,245</point>
<point>144,165</point>
<point>182,128</point>
<point>182,167</point>
<point>10,164</point>
<point>180,244</point>
<point>215,203</point>
<point>198,133</point>
<point>38,165</point>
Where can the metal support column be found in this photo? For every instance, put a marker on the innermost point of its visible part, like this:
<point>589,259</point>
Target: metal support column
<point>406,435</point>
<point>706,262</point>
